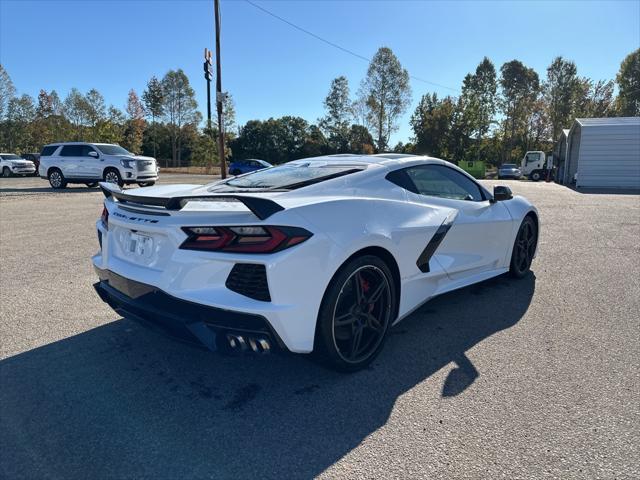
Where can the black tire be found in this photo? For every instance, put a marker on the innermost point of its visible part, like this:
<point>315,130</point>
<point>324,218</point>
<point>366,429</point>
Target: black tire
<point>92,184</point>
<point>6,172</point>
<point>524,247</point>
<point>535,176</point>
<point>111,175</point>
<point>56,179</point>
<point>146,184</point>
<point>354,343</point>
<point>236,172</point>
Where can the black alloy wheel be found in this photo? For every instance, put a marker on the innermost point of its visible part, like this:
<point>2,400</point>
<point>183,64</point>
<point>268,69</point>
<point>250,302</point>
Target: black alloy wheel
<point>356,314</point>
<point>524,248</point>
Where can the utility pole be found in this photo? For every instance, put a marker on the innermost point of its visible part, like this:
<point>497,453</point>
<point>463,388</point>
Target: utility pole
<point>208,75</point>
<point>219,95</point>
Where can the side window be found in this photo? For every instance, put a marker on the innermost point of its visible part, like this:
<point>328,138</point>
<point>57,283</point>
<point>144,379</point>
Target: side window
<point>48,151</point>
<point>71,151</point>
<point>86,149</point>
<point>445,182</point>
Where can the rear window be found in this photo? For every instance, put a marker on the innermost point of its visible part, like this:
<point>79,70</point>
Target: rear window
<point>509,165</point>
<point>48,151</point>
<point>290,176</point>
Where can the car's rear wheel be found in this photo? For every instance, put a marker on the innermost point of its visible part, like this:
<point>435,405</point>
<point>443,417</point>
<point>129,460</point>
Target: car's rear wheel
<point>56,179</point>
<point>112,175</point>
<point>6,172</point>
<point>355,315</point>
<point>524,248</point>
<point>235,172</point>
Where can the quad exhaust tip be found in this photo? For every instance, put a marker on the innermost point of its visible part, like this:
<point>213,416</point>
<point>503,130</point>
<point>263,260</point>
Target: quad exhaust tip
<point>240,343</point>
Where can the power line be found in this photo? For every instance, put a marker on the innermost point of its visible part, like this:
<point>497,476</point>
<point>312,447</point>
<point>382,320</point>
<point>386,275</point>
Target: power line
<point>335,45</point>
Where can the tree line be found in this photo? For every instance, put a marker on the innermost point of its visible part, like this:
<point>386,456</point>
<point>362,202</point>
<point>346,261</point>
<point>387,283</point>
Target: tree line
<point>498,115</point>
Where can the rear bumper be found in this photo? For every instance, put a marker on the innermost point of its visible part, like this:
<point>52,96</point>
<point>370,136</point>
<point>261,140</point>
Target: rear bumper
<point>202,325</point>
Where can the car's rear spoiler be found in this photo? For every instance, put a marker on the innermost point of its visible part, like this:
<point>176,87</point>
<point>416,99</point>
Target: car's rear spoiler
<point>261,207</point>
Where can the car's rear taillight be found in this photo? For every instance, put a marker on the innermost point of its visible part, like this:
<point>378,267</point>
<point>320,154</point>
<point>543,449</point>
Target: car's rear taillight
<point>105,218</point>
<point>247,239</point>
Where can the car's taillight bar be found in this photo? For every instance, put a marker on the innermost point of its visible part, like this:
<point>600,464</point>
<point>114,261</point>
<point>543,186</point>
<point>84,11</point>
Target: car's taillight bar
<point>243,239</point>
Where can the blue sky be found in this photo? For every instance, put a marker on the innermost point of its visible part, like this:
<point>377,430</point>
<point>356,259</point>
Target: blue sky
<point>272,69</point>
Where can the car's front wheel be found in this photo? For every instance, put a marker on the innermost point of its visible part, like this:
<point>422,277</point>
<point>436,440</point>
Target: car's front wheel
<point>6,172</point>
<point>146,184</point>
<point>235,172</point>
<point>355,314</point>
<point>56,179</point>
<point>524,248</point>
<point>92,184</point>
<point>111,175</point>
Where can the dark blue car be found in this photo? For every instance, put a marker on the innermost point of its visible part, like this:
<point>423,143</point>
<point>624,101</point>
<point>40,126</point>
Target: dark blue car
<point>250,165</point>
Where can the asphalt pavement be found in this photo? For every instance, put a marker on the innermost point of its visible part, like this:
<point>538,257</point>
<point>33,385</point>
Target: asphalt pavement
<point>537,378</point>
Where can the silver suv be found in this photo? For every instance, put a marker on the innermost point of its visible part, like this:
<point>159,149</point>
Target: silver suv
<point>90,163</point>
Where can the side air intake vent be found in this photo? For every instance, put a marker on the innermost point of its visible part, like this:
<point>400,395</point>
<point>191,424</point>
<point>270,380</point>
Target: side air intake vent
<point>250,280</point>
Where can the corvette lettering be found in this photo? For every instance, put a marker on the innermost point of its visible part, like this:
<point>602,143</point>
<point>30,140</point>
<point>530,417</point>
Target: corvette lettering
<point>134,219</point>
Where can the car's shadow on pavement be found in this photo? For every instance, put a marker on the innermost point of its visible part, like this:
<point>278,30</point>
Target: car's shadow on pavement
<point>120,401</point>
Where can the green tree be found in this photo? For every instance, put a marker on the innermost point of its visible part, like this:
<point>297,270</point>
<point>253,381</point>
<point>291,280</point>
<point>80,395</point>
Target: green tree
<point>561,91</point>
<point>520,88</point>
<point>360,140</point>
<point>111,128</point>
<point>431,124</point>
<point>335,124</point>
<point>153,98</point>
<point>76,110</point>
<point>180,108</point>
<point>21,112</point>
<point>95,110</point>
<point>387,94</point>
<point>628,80</point>
<point>134,130</point>
<point>7,92</point>
<point>595,99</point>
<point>315,143</point>
<point>480,101</point>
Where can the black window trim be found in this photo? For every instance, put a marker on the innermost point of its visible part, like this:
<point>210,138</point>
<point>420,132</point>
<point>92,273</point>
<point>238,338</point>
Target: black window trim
<point>401,178</point>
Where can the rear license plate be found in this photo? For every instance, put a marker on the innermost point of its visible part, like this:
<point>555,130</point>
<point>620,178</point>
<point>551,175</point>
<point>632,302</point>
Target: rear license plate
<point>139,245</point>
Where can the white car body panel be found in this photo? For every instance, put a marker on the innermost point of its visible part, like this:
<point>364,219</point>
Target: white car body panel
<point>358,211</point>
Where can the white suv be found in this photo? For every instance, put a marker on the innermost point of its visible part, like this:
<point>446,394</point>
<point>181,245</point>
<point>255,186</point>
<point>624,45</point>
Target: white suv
<point>89,163</point>
<point>11,164</point>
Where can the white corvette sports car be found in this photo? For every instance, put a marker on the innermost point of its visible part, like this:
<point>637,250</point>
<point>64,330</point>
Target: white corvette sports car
<point>318,255</point>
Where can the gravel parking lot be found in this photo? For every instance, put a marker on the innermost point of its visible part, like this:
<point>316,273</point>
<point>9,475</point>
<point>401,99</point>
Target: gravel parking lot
<point>538,378</point>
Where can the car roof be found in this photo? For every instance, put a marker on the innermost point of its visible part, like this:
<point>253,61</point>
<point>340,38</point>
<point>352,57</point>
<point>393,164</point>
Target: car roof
<point>385,159</point>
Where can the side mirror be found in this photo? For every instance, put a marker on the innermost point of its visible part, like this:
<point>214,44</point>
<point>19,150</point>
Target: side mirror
<point>93,154</point>
<point>500,193</point>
